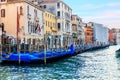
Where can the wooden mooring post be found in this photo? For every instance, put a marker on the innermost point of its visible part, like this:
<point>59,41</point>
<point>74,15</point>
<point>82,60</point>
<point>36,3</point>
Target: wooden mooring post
<point>19,56</point>
<point>45,48</point>
<point>1,53</point>
<point>18,51</point>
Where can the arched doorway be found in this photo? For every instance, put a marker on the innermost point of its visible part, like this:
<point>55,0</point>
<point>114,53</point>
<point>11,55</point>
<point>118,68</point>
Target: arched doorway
<point>2,26</point>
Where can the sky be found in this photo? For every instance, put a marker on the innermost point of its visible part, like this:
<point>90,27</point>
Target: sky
<point>105,12</point>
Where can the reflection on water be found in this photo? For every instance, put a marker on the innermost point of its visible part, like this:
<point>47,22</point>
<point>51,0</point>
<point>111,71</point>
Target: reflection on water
<point>92,65</point>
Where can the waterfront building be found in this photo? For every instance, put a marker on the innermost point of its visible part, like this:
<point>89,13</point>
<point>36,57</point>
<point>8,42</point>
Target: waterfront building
<point>111,37</point>
<point>89,34</point>
<point>116,32</point>
<point>78,29</point>
<point>50,23</point>
<point>22,19</point>
<point>50,27</point>
<point>63,14</point>
<point>100,33</point>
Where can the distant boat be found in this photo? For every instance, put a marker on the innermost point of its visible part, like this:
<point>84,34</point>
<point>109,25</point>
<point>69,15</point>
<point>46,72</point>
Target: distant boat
<point>118,53</point>
<point>115,44</point>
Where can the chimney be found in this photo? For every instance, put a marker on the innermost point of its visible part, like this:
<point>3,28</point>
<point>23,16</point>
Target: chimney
<point>35,2</point>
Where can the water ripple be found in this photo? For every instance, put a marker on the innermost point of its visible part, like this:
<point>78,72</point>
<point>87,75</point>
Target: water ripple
<point>91,65</point>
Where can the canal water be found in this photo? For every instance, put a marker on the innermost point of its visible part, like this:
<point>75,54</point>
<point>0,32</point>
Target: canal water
<point>92,65</point>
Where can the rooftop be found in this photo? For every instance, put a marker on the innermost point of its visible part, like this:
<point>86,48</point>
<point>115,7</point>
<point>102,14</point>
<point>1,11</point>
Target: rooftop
<point>52,1</point>
<point>49,1</point>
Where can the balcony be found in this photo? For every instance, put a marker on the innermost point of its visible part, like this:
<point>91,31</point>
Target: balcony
<point>58,17</point>
<point>68,30</point>
<point>29,16</point>
<point>37,19</point>
<point>53,29</point>
<point>74,22</point>
<point>67,16</point>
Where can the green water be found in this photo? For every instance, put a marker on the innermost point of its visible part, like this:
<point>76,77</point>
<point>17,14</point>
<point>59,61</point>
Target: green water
<point>91,65</point>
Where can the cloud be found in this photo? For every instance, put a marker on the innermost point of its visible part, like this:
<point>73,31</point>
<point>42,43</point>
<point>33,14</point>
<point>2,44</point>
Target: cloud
<point>107,13</point>
<point>114,4</point>
<point>111,18</point>
<point>92,6</point>
<point>98,6</point>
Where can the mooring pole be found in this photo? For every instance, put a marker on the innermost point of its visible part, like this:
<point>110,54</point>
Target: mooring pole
<point>0,52</point>
<point>18,50</point>
<point>52,45</point>
<point>19,54</point>
<point>1,45</point>
<point>24,45</point>
<point>45,49</point>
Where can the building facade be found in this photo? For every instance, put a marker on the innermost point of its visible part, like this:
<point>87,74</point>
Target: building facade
<point>89,34</point>
<point>78,29</point>
<point>24,21</point>
<point>116,32</point>
<point>63,14</point>
<point>50,23</point>
<point>100,33</point>
<point>111,37</point>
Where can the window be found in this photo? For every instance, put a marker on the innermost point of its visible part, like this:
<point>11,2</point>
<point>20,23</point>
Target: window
<point>40,6</point>
<point>29,27</point>
<point>58,26</point>
<point>46,23</point>
<point>35,13</point>
<point>21,10</point>
<point>44,6</point>
<point>50,24</point>
<point>58,5</point>
<point>34,28</point>
<point>34,41</point>
<point>46,14</point>
<point>58,14</point>
<point>27,9</point>
<point>2,12</point>
<point>3,0</point>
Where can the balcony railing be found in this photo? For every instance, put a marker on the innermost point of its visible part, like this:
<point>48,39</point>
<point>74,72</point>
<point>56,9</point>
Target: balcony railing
<point>58,17</point>
<point>29,16</point>
<point>37,19</point>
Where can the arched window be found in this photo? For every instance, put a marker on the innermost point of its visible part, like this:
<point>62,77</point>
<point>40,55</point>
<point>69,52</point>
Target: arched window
<point>2,12</point>
<point>29,27</point>
<point>21,10</point>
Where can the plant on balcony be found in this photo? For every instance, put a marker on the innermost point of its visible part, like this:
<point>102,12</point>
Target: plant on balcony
<point>74,36</point>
